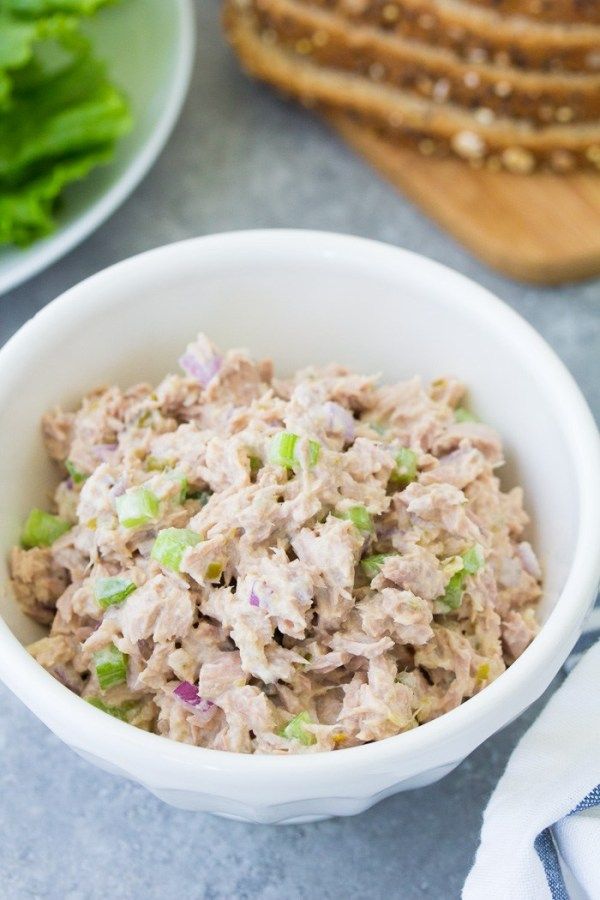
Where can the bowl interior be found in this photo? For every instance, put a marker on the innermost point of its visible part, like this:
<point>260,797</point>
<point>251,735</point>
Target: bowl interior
<point>300,299</point>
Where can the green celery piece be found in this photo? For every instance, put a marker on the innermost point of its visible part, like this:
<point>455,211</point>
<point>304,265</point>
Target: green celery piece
<point>111,667</point>
<point>171,544</point>
<point>152,464</point>
<point>117,712</point>
<point>473,559</point>
<point>371,565</point>
<point>463,415</point>
<point>282,450</point>
<point>314,451</point>
<point>136,507</point>
<point>360,517</point>
<point>294,730</point>
<point>256,463</point>
<point>214,570</point>
<point>183,484</point>
<point>110,591</point>
<point>41,529</point>
<point>77,477</point>
<point>406,467</point>
<point>452,596</point>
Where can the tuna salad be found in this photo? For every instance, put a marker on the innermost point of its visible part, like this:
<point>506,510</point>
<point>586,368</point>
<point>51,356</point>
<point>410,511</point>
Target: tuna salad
<point>256,564</point>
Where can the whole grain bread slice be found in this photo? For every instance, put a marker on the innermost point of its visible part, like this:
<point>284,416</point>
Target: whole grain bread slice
<point>547,10</point>
<point>431,72</point>
<point>479,33</point>
<point>400,116</point>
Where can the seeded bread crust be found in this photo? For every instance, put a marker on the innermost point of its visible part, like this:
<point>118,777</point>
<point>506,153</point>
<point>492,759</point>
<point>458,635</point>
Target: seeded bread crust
<point>430,72</point>
<point>406,118</point>
<point>478,33</point>
<point>547,10</point>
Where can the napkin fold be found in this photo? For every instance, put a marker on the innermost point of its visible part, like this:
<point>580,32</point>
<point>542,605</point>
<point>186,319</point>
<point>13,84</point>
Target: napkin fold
<point>541,829</point>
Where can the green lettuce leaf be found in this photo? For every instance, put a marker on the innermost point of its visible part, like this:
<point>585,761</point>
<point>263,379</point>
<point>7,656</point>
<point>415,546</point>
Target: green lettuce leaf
<point>60,116</point>
<point>37,8</point>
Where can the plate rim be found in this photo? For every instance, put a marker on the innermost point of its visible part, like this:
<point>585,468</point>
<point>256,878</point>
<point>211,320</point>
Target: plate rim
<point>58,245</point>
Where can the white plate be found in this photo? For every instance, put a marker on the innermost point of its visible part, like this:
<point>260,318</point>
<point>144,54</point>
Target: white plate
<point>149,48</point>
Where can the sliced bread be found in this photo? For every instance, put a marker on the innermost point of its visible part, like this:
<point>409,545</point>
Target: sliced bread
<point>480,34</point>
<point>431,72</point>
<point>401,116</point>
<point>547,10</point>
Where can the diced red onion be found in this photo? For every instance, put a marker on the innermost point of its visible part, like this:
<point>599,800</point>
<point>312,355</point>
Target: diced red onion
<point>104,451</point>
<point>253,599</point>
<point>201,371</point>
<point>529,559</point>
<point>340,419</point>
<point>69,483</point>
<point>188,694</point>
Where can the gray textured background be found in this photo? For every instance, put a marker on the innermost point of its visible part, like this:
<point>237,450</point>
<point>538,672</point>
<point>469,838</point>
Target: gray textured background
<point>240,158</point>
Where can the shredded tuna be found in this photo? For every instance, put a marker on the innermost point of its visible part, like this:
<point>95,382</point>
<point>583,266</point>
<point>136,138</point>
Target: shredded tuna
<point>326,599</point>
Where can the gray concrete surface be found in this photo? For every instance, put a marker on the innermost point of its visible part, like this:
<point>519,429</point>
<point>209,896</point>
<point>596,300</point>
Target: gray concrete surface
<point>241,158</point>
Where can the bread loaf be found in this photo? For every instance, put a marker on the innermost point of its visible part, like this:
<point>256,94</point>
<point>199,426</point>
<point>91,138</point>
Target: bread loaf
<point>401,116</point>
<point>479,33</point>
<point>431,72</point>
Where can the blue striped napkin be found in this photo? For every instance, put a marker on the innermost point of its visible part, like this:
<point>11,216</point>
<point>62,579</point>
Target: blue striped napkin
<point>541,830</point>
<point>590,634</point>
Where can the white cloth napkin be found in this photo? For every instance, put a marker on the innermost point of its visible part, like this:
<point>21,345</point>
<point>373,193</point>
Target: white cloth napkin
<point>541,829</point>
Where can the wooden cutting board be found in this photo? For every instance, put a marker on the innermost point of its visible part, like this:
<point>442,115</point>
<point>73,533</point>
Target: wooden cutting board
<point>539,228</point>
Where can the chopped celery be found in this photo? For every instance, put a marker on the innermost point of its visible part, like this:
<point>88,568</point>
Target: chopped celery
<point>483,672</point>
<point>111,667</point>
<point>452,596</point>
<point>41,529</point>
<point>152,464</point>
<point>171,544</point>
<point>137,507</point>
<point>183,484</point>
<point>294,730</point>
<point>109,591</point>
<point>117,712</point>
<point>360,516</point>
<point>406,467</point>
<point>282,450</point>
<point>371,565</point>
<point>314,449</point>
<point>77,477</point>
<point>144,418</point>
<point>256,463</point>
<point>473,559</point>
<point>463,415</point>
<point>214,570</point>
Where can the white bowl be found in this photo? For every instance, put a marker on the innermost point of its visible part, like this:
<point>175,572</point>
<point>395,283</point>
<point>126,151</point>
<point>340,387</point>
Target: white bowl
<point>148,46</point>
<point>305,297</point>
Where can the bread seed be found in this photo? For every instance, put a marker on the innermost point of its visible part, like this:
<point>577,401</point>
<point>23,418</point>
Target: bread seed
<point>518,160</point>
